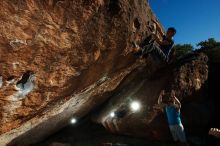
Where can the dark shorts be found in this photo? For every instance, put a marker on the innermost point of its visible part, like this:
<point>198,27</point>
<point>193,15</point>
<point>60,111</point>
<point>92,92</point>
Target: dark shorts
<point>155,48</point>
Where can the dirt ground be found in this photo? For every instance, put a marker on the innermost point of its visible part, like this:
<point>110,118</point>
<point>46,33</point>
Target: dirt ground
<point>90,134</point>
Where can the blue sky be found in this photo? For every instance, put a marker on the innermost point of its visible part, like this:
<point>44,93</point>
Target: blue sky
<point>195,20</point>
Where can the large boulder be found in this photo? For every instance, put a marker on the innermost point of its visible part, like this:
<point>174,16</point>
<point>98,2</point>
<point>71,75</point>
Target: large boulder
<point>189,77</point>
<point>79,52</point>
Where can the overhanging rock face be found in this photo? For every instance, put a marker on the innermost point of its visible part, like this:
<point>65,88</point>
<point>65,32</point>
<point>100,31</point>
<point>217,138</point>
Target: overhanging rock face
<point>58,59</point>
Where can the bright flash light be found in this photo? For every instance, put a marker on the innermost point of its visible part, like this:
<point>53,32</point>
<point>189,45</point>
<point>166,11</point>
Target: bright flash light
<point>73,121</point>
<point>112,114</point>
<point>135,106</point>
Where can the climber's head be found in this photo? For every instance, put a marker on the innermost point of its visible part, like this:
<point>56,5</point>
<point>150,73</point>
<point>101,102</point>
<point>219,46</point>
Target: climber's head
<point>170,32</point>
<point>168,98</point>
<point>172,97</point>
<point>171,101</point>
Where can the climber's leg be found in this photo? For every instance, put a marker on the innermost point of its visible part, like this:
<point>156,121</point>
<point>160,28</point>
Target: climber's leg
<point>148,48</point>
<point>154,49</point>
<point>144,45</point>
<point>157,50</point>
<point>161,53</point>
<point>146,41</point>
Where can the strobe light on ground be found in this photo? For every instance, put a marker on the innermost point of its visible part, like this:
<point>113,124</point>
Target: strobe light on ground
<point>112,114</point>
<point>135,106</point>
<point>73,121</point>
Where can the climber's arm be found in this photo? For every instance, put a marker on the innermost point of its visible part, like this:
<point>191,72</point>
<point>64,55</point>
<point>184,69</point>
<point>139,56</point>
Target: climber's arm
<point>160,42</point>
<point>160,100</point>
<point>158,28</point>
<point>160,105</point>
<point>177,103</point>
<point>157,39</point>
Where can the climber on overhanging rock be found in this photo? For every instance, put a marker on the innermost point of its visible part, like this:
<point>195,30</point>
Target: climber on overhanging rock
<point>153,43</point>
<point>172,107</point>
